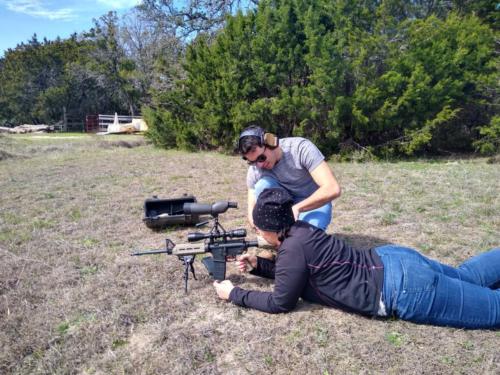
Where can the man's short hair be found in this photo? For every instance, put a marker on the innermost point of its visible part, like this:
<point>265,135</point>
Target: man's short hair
<point>250,138</point>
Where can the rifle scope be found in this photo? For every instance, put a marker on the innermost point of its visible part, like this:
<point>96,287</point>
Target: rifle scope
<point>210,209</point>
<point>196,236</point>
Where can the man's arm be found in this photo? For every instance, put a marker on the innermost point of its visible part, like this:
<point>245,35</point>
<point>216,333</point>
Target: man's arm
<point>328,189</point>
<point>251,204</point>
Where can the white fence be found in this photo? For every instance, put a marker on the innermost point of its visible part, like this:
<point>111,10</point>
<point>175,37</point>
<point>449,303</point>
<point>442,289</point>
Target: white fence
<point>100,123</point>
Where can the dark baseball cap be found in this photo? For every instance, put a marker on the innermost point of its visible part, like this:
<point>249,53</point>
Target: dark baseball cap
<point>273,210</point>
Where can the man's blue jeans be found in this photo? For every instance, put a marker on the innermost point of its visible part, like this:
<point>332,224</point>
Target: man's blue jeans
<point>422,290</point>
<point>319,217</point>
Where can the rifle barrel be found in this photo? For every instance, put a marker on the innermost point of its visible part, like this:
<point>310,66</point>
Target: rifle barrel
<point>253,243</point>
<point>150,252</point>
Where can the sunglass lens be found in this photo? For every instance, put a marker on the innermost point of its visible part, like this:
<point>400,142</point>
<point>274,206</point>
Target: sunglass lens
<point>260,159</point>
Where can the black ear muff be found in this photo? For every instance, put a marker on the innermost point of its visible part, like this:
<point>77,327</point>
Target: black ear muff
<point>271,140</point>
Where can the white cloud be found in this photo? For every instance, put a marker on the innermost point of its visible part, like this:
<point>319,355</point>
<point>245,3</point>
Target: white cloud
<point>36,8</point>
<point>52,10</point>
<point>119,4</point>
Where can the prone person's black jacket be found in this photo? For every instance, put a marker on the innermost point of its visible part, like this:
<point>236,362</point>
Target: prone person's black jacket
<point>319,268</point>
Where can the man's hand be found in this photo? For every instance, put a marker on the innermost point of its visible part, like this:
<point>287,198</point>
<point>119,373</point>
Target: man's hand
<point>296,212</point>
<point>251,204</point>
<point>246,262</point>
<point>223,289</point>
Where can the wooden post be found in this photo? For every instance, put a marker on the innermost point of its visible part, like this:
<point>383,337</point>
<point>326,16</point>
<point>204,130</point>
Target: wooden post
<point>65,120</point>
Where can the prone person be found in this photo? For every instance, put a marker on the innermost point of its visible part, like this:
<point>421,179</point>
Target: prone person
<point>295,164</point>
<point>386,281</point>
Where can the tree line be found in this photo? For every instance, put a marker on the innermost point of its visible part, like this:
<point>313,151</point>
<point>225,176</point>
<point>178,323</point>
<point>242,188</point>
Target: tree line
<point>363,77</point>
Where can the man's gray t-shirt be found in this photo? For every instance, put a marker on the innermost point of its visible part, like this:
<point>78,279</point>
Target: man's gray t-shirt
<point>293,171</point>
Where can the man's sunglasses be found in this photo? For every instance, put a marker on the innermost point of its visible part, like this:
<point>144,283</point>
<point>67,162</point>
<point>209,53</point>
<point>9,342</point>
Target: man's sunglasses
<point>260,159</point>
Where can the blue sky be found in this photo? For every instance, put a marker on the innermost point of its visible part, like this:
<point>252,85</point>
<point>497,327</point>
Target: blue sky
<point>20,19</point>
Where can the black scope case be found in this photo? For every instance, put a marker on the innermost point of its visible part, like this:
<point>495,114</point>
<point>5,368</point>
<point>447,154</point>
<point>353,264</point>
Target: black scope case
<point>161,213</point>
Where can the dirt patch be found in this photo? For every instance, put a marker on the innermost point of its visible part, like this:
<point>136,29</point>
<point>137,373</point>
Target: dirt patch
<point>122,143</point>
<point>7,155</point>
<point>494,159</point>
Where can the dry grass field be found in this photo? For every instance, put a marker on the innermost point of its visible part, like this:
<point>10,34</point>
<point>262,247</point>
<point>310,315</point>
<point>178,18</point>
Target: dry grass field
<point>72,300</point>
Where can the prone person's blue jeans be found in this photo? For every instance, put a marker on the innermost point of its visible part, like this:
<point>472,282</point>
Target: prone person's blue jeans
<point>423,290</point>
<point>319,217</point>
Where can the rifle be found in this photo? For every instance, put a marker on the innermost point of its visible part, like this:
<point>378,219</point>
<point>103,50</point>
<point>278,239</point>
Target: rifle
<point>220,243</point>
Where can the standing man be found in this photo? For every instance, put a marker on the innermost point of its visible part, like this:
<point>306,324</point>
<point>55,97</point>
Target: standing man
<point>295,164</point>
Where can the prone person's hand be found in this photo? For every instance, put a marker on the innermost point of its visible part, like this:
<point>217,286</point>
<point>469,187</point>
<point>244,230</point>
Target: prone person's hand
<point>246,262</point>
<point>223,289</point>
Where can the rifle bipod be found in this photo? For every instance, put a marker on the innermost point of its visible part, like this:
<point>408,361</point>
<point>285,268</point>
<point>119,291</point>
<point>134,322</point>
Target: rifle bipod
<point>188,261</point>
